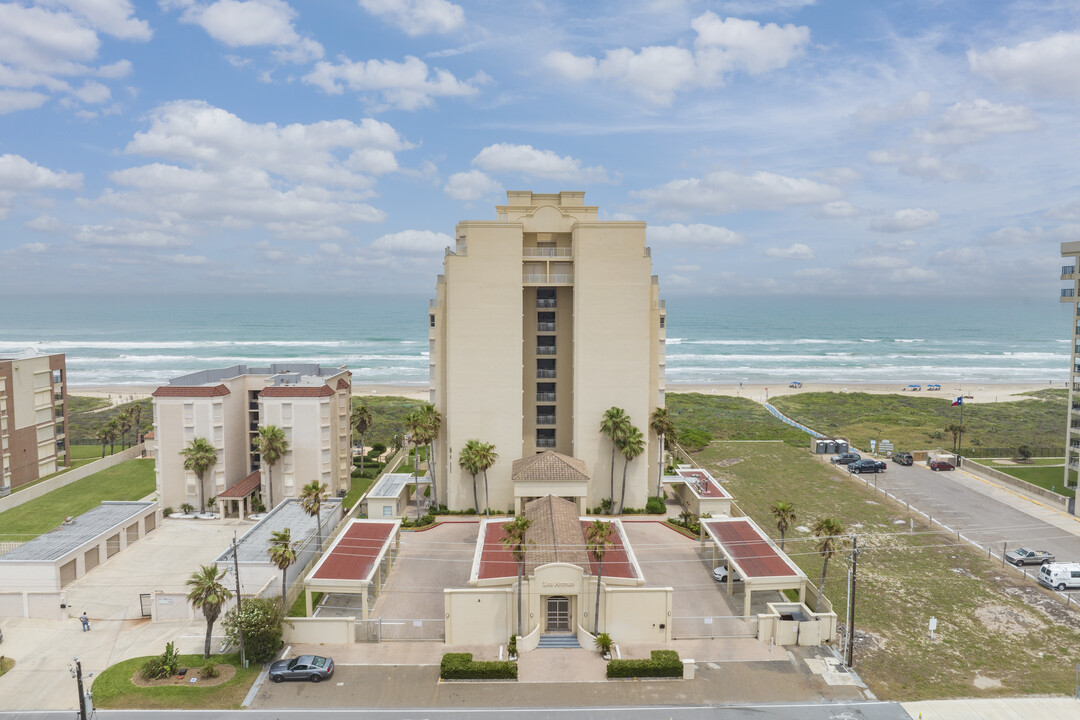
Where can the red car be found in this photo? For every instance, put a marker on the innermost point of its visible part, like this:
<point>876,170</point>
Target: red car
<point>941,465</point>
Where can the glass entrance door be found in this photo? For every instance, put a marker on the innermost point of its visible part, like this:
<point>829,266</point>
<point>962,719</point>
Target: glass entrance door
<point>558,614</point>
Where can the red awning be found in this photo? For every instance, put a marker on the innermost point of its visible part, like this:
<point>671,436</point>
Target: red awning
<point>243,488</point>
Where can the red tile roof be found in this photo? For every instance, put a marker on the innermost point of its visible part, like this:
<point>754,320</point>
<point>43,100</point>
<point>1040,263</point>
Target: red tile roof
<point>191,391</point>
<point>496,560</point>
<point>342,384</point>
<point>749,548</point>
<point>297,391</point>
<point>243,488</point>
<point>353,556</point>
<point>616,560</point>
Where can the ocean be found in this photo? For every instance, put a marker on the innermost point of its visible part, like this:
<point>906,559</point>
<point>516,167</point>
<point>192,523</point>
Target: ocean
<point>137,341</point>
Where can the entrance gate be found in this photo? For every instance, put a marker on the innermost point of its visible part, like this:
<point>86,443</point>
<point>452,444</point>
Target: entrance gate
<point>558,614</point>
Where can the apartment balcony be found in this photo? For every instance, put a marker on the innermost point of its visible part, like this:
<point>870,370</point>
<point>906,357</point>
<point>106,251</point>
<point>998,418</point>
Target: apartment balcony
<point>545,442</point>
<point>545,327</point>
<point>1067,272</point>
<point>545,419</point>
<point>550,350</point>
<point>545,302</point>
<point>543,374</point>
<point>534,252</point>
<point>1068,295</point>
<point>545,397</point>
<point>547,279</point>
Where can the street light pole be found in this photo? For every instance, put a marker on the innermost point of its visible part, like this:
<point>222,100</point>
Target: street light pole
<point>76,672</point>
<point>240,622</point>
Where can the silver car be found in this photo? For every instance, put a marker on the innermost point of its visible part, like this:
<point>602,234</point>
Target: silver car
<point>306,667</point>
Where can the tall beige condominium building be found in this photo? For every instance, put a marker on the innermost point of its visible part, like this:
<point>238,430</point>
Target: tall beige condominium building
<point>33,418</point>
<point>227,406</point>
<point>1071,252</point>
<point>545,318</point>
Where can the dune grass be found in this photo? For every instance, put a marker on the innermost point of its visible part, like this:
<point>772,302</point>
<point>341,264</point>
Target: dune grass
<point>727,418</point>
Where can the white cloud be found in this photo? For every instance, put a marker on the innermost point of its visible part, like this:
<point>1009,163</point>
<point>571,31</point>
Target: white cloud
<point>45,223</point>
<point>1049,67</point>
<point>797,251</point>
<point>413,242</point>
<point>873,114</point>
<point>915,276</point>
<point>907,220</point>
<point>725,191</point>
<point>968,122</point>
<point>961,256</point>
<point>253,23</point>
<point>840,175</point>
<point>1068,211</point>
<point>180,259</point>
<point>1014,236</point>
<point>19,174</point>
<point>418,17</point>
<point>113,17</point>
<point>926,167</point>
<point>406,85</point>
<point>837,209</point>
<point>37,247</point>
<point>471,185</point>
<point>92,93</point>
<point>697,235</point>
<point>530,162</point>
<point>15,100</point>
<point>722,46</point>
<point>686,268</point>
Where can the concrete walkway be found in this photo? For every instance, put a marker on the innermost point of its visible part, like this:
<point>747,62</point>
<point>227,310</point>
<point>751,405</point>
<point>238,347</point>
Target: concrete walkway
<point>995,709</point>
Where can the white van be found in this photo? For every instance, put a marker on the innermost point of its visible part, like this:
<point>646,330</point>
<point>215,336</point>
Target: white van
<point>1060,575</point>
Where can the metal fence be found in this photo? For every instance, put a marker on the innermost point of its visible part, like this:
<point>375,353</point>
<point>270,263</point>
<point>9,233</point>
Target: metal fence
<point>400,630</point>
<point>687,628</point>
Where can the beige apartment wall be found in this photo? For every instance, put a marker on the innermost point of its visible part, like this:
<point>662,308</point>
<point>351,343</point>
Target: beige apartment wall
<point>612,353</point>
<point>437,379</point>
<point>482,395</point>
<point>312,631</point>
<point>480,617</point>
<point>638,615</point>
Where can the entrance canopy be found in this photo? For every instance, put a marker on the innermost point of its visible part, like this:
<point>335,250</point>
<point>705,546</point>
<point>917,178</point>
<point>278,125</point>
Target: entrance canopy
<point>742,545</point>
<point>550,473</point>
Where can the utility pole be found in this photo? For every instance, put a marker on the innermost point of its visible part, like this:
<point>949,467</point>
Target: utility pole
<point>850,660</point>
<point>236,571</point>
<point>76,672</point>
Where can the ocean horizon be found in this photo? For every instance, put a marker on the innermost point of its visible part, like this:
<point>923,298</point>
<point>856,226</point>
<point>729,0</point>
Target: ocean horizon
<point>710,340</point>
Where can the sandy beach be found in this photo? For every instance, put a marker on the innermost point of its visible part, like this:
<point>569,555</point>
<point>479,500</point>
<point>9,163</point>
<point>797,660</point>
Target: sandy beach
<point>973,393</point>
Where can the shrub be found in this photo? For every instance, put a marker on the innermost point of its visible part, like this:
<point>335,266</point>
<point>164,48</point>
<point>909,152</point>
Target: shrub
<point>376,450</point>
<point>1023,454</point>
<point>603,643</point>
<point>655,506</point>
<point>662,663</point>
<point>261,621</point>
<point>187,508</point>
<point>209,670</point>
<point>210,501</point>
<point>424,521</point>
<point>167,512</point>
<point>461,666</point>
<point>152,669</point>
<point>511,647</point>
<point>258,506</point>
<point>694,439</point>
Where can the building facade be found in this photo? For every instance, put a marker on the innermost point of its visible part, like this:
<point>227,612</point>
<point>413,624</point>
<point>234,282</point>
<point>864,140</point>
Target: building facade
<point>1071,252</point>
<point>33,418</point>
<point>311,404</point>
<point>544,319</point>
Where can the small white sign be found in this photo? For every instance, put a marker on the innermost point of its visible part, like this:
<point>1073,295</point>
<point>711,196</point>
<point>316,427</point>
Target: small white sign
<point>708,621</point>
<point>418,623</point>
<point>933,624</point>
<point>873,444</point>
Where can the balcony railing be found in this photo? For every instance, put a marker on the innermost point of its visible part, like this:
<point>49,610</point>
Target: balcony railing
<point>1068,269</point>
<point>541,278</point>
<point>545,397</point>
<point>545,327</point>
<point>545,442</point>
<point>545,419</point>
<point>1068,292</point>
<point>547,252</point>
<point>545,374</point>
<point>550,350</point>
<point>545,302</point>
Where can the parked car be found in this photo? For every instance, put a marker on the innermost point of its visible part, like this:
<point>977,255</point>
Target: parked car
<point>1060,575</point>
<point>866,465</point>
<point>845,458</point>
<point>720,575</point>
<point>941,465</point>
<point>306,667</point>
<point>903,458</point>
<point>1023,556</point>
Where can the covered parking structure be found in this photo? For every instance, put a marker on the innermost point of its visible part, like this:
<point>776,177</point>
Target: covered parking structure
<point>389,497</point>
<point>357,563</point>
<point>699,492</point>
<point>740,544</point>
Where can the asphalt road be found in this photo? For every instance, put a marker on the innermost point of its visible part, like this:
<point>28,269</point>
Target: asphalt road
<point>978,517</point>
<point>802,711</point>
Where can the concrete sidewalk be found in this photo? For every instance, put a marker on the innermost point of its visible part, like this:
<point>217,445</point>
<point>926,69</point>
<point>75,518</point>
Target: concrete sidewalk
<point>1041,708</point>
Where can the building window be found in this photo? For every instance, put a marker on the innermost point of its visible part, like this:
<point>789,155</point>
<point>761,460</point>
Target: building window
<point>286,411</point>
<point>545,438</point>
<point>431,320</point>
<point>662,319</point>
<point>387,511</point>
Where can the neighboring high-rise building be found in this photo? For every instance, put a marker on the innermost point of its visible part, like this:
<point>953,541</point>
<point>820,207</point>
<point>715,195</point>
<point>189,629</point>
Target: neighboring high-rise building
<point>311,404</point>
<point>33,418</point>
<point>1071,294</point>
<point>545,318</point>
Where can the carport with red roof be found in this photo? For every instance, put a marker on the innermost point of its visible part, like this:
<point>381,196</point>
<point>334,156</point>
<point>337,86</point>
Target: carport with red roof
<point>357,563</point>
<point>739,543</point>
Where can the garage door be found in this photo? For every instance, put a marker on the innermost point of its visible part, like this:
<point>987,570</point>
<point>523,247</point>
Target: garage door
<point>112,545</point>
<point>67,573</point>
<point>132,533</point>
<point>151,522</point>
<point>93,558</point>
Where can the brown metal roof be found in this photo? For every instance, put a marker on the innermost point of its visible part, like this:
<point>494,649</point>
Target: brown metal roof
<point>190,391</point>
<point>297,391</point>
<point>750,549</point>
<point>243,488</point>
<point>549,466</point>
<point>354,553</point>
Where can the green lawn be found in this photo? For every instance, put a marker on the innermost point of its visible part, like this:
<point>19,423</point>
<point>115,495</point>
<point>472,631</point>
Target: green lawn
<point>91,452</point>
<point>1050,478</point>
<point>113,688</point>
<point>83,427</point>
<point>1034,461</point>
<point>360,486</point>
<point>299,606</point>
<point>130,480</point>
<point>387,416</point>
<point>916,422</point>
<point>990,623</point>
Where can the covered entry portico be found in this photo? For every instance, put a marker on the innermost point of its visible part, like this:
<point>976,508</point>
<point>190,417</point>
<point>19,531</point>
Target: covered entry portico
<point>550,473</point>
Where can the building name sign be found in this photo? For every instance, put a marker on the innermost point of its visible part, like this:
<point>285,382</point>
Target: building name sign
<point>558,584</point>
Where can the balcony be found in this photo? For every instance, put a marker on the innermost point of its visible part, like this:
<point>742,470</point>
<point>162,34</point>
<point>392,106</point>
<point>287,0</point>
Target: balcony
<point>545,327</point>
<point>1067,271</point>
<point>547,279</point>
<point>545,442</point>
<point>550,350</point>
<point>545,397</point>
<point>545,419</point>
<point>545,302</point>
<point>547,252</point>
<point>1068,294</point>
<point>546,374</point>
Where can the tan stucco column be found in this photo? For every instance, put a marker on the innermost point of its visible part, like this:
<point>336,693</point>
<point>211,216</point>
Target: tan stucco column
<point>746,600</point>
<point>307,595</point>
<point>802,593</point>
<point>364,602</point>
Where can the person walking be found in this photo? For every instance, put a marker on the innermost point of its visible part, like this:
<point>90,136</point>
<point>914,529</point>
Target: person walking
<point>85,621</point>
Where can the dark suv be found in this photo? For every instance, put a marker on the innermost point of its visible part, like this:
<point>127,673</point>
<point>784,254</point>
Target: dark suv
<point>903,458</point>
<point>866,465</point>
<point>846,458</point>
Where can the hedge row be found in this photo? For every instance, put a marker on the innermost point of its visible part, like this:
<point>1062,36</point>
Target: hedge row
<point>663,663</point>
<point>461,666</point>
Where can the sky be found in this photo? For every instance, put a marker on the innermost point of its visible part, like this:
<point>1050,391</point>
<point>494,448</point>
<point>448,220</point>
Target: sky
<point>774,147</point>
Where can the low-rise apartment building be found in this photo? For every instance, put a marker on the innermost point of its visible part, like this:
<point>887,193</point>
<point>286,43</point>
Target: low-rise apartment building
<point>226,406</point>
<point>33,418</point>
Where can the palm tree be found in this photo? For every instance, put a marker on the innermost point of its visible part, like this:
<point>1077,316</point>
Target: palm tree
<point>486,457</point>
<point>135,412</point>
<point>612,426</point>
<point>283,554</point>
<point>417,427</point>
<point>829,532</point>
<point>123,422</point>
<point>469,460</point>
<point>956,430</point>
<point>785,515</point>
<point>104,434</point>
<point>208,594</point>
<point>199,456</point>
<point>271,445</point>
<point>662,425</point>
<point>432,427</point>
<point>597,542</point>
<point>114,432</point>
<point>361,422</point>
<point>311,499</point>
<point>515,541</point>
<point>631,445</point>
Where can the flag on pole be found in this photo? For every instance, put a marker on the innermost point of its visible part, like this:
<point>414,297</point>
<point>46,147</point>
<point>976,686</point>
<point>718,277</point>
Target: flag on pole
<point>958,401</point>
